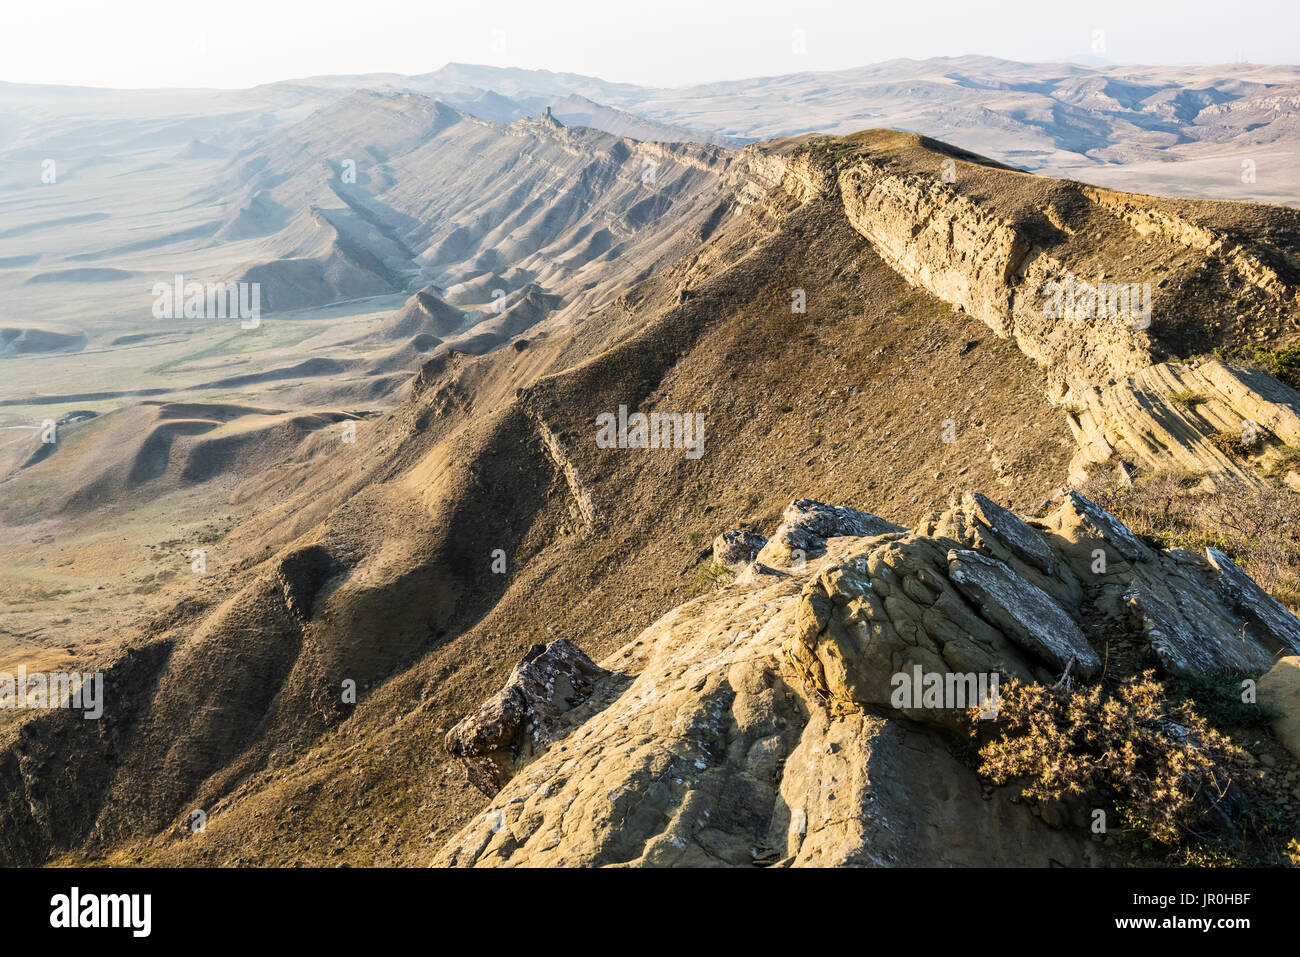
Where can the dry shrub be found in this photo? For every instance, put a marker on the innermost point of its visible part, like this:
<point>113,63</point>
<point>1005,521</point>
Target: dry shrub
<point>1233,444</point>
<point>1164,769</point>
<point>1257,526</point>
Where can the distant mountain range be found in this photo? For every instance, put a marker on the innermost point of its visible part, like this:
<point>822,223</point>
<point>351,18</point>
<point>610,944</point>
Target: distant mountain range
<point>1220,131</point>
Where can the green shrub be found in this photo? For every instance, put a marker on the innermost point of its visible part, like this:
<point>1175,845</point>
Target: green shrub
<point>1217,696</point>
<point>1282,364</point>
<point>830,152</point>
<point>712,576</point>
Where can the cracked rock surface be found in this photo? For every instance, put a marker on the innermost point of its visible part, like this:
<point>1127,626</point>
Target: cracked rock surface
<point>756,725</point>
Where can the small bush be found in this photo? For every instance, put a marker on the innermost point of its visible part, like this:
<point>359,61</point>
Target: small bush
<point>1187,398</point>
<point>1282,364</point>
<point>711,577</point>
<point>1233,445</point>
<point>1163,768</point>
<point>831,152</point>
<point>1218,698</point>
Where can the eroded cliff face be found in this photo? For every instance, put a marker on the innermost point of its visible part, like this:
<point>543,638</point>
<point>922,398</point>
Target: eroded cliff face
<point>939,240</point>
<point>1100,288</point>
<point>761,726</point>
<point>1174,415</point>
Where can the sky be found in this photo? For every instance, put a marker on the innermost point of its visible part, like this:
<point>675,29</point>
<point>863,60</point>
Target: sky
<point>240,43</point>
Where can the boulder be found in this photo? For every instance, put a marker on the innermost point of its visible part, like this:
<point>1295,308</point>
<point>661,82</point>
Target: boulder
<point>807,524</point>
<point>1279,691</point>
<point>521,717</point>
<point>737,548</point>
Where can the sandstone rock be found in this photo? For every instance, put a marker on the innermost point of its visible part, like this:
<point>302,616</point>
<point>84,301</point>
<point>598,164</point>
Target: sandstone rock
<point>710,757</point>
<point>1025,613</point>
<point>1145,419</point>
<point>1084,521</point>
<point>548,682</point>
<point>1175,641</point>
<point>737,548</point>
<point>806,524</point>
<point>1123,405</point>
<point>1278,626</point>
<point>1279,690</point>
<point>1008,529</point>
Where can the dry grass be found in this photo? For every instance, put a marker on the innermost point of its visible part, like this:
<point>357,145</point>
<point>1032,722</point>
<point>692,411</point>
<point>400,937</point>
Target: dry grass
<point>1257,526</point>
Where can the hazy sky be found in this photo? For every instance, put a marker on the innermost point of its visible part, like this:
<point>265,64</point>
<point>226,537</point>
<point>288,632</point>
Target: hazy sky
<point>238,43</point>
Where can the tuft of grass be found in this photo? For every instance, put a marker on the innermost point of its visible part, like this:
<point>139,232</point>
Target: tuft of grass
<point>710,577</point>
<point>1286,460</point>
<point>1187,398</point>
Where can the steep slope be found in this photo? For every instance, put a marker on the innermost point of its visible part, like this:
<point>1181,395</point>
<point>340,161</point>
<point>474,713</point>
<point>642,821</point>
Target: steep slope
<point>428,194</point>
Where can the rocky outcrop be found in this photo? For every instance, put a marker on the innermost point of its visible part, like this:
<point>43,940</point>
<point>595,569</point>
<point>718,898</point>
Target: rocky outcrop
<point>1170,416</point>
<point>711,756</point>
<point>805,526</point>
<point>764,725</point>
<point>999,260</point>
<point>986,264</point>
<point>937,238</point>
<point>737,548</point>
<point>583,507</point>
<point>522,717</point>
<point>1147,220</point>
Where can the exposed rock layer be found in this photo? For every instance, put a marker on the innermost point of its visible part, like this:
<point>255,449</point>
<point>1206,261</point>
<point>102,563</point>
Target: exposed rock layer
<point>761,725</point>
